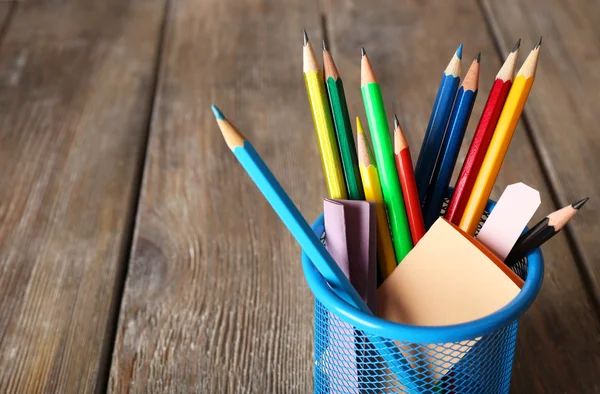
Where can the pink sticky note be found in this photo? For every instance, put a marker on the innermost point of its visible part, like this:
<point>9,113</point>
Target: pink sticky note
<point>505,224</point>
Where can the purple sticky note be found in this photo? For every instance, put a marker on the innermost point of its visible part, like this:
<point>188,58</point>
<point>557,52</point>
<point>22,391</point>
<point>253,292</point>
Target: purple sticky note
<point>335,234</point>
<point>350,228</point>
<point>350,237</point>
<point>341,350</point>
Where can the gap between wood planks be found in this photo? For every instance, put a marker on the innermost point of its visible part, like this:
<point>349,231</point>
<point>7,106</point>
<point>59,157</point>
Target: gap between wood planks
<point>11,7</point>
<point>583,265</point>
<point>113,322</point>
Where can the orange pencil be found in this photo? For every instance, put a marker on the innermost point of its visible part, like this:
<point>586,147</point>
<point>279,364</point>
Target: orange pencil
<point>408,183</point>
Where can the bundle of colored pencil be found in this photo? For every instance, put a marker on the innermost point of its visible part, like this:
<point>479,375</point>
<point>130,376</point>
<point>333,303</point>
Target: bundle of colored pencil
<point>409,201</point>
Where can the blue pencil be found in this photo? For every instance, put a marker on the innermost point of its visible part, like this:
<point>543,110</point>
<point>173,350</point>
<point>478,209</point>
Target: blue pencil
<point>312,246</point>
<point>287,211</point>
<point>451,144</point>
<point>437,124</point>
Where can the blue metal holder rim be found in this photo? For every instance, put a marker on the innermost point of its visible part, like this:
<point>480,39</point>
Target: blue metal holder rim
<point>376,326</point>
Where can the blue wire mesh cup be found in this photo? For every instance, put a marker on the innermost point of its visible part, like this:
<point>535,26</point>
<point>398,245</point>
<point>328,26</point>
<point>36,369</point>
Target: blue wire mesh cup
<point>472,357</point>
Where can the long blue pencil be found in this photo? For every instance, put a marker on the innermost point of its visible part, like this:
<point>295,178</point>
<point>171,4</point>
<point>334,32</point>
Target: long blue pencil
<point>437,124</point>
<point>287,211</point>
<point>312,246</point>
<point>451,144</point>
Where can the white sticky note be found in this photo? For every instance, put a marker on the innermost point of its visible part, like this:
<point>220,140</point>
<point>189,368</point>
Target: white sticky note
<point>505,224</point>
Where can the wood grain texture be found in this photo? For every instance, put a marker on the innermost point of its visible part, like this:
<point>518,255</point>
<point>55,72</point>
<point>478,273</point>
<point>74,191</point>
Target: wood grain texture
<point>76,84</point>
<point>215,300</point>
<point>563,108</point>
<point>409,44</point>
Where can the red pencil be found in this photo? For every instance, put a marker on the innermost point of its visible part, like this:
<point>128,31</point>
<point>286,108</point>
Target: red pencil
<point>409,186</point>
<point>481,139</point>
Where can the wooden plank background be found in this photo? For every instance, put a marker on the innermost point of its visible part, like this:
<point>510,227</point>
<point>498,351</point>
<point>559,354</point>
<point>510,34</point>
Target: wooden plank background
<point>182,279</point>
<point>76,86</point>
<point>214,300</point>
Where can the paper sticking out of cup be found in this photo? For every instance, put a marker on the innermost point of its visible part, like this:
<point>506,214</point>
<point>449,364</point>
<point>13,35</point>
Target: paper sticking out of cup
<point>514,209</point>
<point>350,237</point>
<point>448,278</point>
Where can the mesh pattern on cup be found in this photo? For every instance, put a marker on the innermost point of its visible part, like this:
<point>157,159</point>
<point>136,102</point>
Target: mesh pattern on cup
<point>346,360</point>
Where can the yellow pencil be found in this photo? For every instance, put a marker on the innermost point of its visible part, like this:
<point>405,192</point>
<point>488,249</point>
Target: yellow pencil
<point>509,118</point>
<point>370,181</point>
<point>319,107</point>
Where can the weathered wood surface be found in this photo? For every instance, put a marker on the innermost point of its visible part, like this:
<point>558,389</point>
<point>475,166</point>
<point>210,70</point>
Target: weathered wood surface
<point>75,91</point>
<point>563,108</point>
<point>409,44</point>
<point>215,299</point>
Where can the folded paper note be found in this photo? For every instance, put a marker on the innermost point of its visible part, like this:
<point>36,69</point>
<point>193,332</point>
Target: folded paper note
<point>505,224</point>
<point>350,228</point>
<point>350,237</point>
<point>335,232</point>
<point>448,278</point>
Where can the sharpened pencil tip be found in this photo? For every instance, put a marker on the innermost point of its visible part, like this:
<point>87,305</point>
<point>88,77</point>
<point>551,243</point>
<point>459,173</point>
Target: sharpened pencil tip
<point>478,57</point>
<point>459,51</point>
<point>325,46</point>
<point>539,43</point>
<point>580,203</point>
<point>305,37</point>
<point>396,122</point>
<point>517,45</point>
<point>218,114</point>
<point>363,53</point>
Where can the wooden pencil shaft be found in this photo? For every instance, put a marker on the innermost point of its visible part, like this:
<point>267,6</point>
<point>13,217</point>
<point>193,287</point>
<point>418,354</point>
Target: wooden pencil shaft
<point>543,231</point>
<point>411,196</point>
<point>302,232</point>
<point>297,225</point>
<point>311,245</point>
<point>287,211</point>
<point>370,179</point>
<point>434,134</point>
<point>478,148</point>
<point>388,176</point>
<point>345,139</point>
<point>385,249</point>
<point>495,154</point>
<point>448,154</point>
<point>530,240</point>
<point>330,157</point>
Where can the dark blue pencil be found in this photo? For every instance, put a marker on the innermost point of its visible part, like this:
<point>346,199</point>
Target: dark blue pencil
<point>446,161</point>
<point>437,124</point>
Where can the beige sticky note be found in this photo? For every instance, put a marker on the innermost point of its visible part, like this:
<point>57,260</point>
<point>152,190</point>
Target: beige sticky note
<point>446,279</point>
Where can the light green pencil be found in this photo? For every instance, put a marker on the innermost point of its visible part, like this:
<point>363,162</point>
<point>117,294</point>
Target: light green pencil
<point>384,156</point>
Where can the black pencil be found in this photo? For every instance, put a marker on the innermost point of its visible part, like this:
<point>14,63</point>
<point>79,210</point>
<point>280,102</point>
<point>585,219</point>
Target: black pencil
<point>542,231</point>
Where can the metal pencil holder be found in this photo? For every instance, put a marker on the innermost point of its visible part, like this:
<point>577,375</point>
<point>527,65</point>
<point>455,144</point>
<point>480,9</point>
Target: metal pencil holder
<point>473,357</point>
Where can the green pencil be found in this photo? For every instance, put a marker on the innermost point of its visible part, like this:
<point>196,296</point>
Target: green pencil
<point>384,156</point>
<point>343,127</point>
